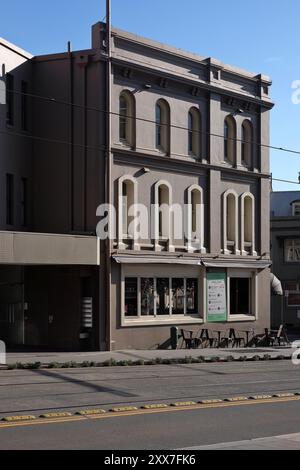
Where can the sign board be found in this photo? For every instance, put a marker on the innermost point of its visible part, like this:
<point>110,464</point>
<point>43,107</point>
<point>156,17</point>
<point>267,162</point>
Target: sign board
<point>216,297</point>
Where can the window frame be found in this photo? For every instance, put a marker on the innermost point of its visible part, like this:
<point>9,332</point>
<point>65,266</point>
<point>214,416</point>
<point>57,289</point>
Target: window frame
<point>162,126</point>
<point>242,274</point>
<point>294,205</point>
<point>293,240</point>
<point>230,141</point>
<point>140,272</point>
<point>10,199</point>
<point>194,133</point>
<point>127,120</point>
<point>293,292</point>
<point>247,143</point>
<point>10,100</point>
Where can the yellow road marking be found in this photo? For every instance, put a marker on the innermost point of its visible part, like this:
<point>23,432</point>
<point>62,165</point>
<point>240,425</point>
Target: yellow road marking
<point>90,412</point>
<point>148,411</point>
<point>183,403</point>
<point>63,414</point>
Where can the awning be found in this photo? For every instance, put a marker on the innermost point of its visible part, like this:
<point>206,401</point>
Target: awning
<point>184,260</point>
<point>276,285</point>
<point>156,260</point>
<point>224,263</point>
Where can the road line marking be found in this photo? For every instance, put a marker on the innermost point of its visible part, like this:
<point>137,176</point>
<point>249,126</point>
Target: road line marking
<point>90,412</point>
<point>18,418</point>
<point>233,399</point>
<point>183,403</point>
<point>148,411</point>
<point>63,414</point>
<point>260,397</point>
<point>154,407</point>
<point>123,409</point>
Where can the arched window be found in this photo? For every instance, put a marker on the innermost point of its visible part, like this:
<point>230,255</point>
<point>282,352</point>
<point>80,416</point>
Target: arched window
<point>162,119</point>
<point>247,145</point>
<point>248,224</point>
<point>127,211</point>
<point>230,223</point>
<point>163,216</point>
<point>195,229</point>
<point>127,118</point>
<point>230,140</point>
<point>194,132</point>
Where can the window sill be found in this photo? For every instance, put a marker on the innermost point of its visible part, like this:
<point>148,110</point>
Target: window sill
<point>163,321</point>
<point>241,318</point>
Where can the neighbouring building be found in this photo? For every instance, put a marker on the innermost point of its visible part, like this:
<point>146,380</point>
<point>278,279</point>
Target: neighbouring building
<point>132,121</point>
<point>285,249</point>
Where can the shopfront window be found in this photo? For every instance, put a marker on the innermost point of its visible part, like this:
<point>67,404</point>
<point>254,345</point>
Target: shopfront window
<point>192,296</point>
<point>147,296</point>
<point>178,296</point>
<point>131,294</point>
<point>240,296</point>
<point>162,296</point>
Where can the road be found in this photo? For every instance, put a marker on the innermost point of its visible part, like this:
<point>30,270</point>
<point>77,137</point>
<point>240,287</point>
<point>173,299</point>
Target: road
<point>36,392</point>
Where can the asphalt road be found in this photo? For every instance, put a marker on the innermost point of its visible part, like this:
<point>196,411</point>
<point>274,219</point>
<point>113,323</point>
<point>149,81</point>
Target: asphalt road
<point>35,392</point>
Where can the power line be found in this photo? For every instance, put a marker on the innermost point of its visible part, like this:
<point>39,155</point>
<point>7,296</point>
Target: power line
<point>90,147</point>
<point>150,121</point>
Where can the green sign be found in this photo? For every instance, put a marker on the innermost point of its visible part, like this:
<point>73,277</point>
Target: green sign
<point>216,305</point>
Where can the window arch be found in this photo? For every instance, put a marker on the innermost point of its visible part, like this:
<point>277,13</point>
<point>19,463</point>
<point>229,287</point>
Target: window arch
<point>163,216</point>
<point>127,201</point>
<point>195,220</point>
<point>230,223</point>
<point>127,118</point>
<point>162,128</point>
<point>194,132</point>
<point>230,140</point>
<point>248,224</point>
<point>247,143</point>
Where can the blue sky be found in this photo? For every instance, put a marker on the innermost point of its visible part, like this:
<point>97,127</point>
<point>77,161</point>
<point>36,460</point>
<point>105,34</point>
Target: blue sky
<point>260,36</point>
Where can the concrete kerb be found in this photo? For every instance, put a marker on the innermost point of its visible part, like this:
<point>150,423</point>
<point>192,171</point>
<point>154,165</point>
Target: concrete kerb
<point>142,358</point>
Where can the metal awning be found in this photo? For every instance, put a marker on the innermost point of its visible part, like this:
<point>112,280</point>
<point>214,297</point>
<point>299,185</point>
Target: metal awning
<point>136,259</point>
<point>224,263</point>
<point>276,285</point>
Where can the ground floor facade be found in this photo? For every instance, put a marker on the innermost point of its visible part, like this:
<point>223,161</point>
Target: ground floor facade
<point>148,297</point>
<point>55,297</point>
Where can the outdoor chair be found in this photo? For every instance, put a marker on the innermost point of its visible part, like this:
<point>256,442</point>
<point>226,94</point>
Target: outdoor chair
<point>187,340</point>
<point>278,336</point>
<point>232,338</point>
<point>204,338</point>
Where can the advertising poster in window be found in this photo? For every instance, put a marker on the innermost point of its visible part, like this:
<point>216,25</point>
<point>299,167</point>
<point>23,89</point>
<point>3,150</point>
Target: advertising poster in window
<point>216,297</point>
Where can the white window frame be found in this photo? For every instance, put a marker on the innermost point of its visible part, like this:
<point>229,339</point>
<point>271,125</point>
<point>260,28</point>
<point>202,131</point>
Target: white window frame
<point>243,198</point>
<point>200,222</point>
<point>140,272</point>
<point>252,275</point>
<point>121,181</point>
<point>169,219</point>
<point>225,222</point>
<point>130,120</point>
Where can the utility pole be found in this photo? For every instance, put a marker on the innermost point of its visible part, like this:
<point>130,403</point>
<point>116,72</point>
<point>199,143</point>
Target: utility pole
<point>108,172</point>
